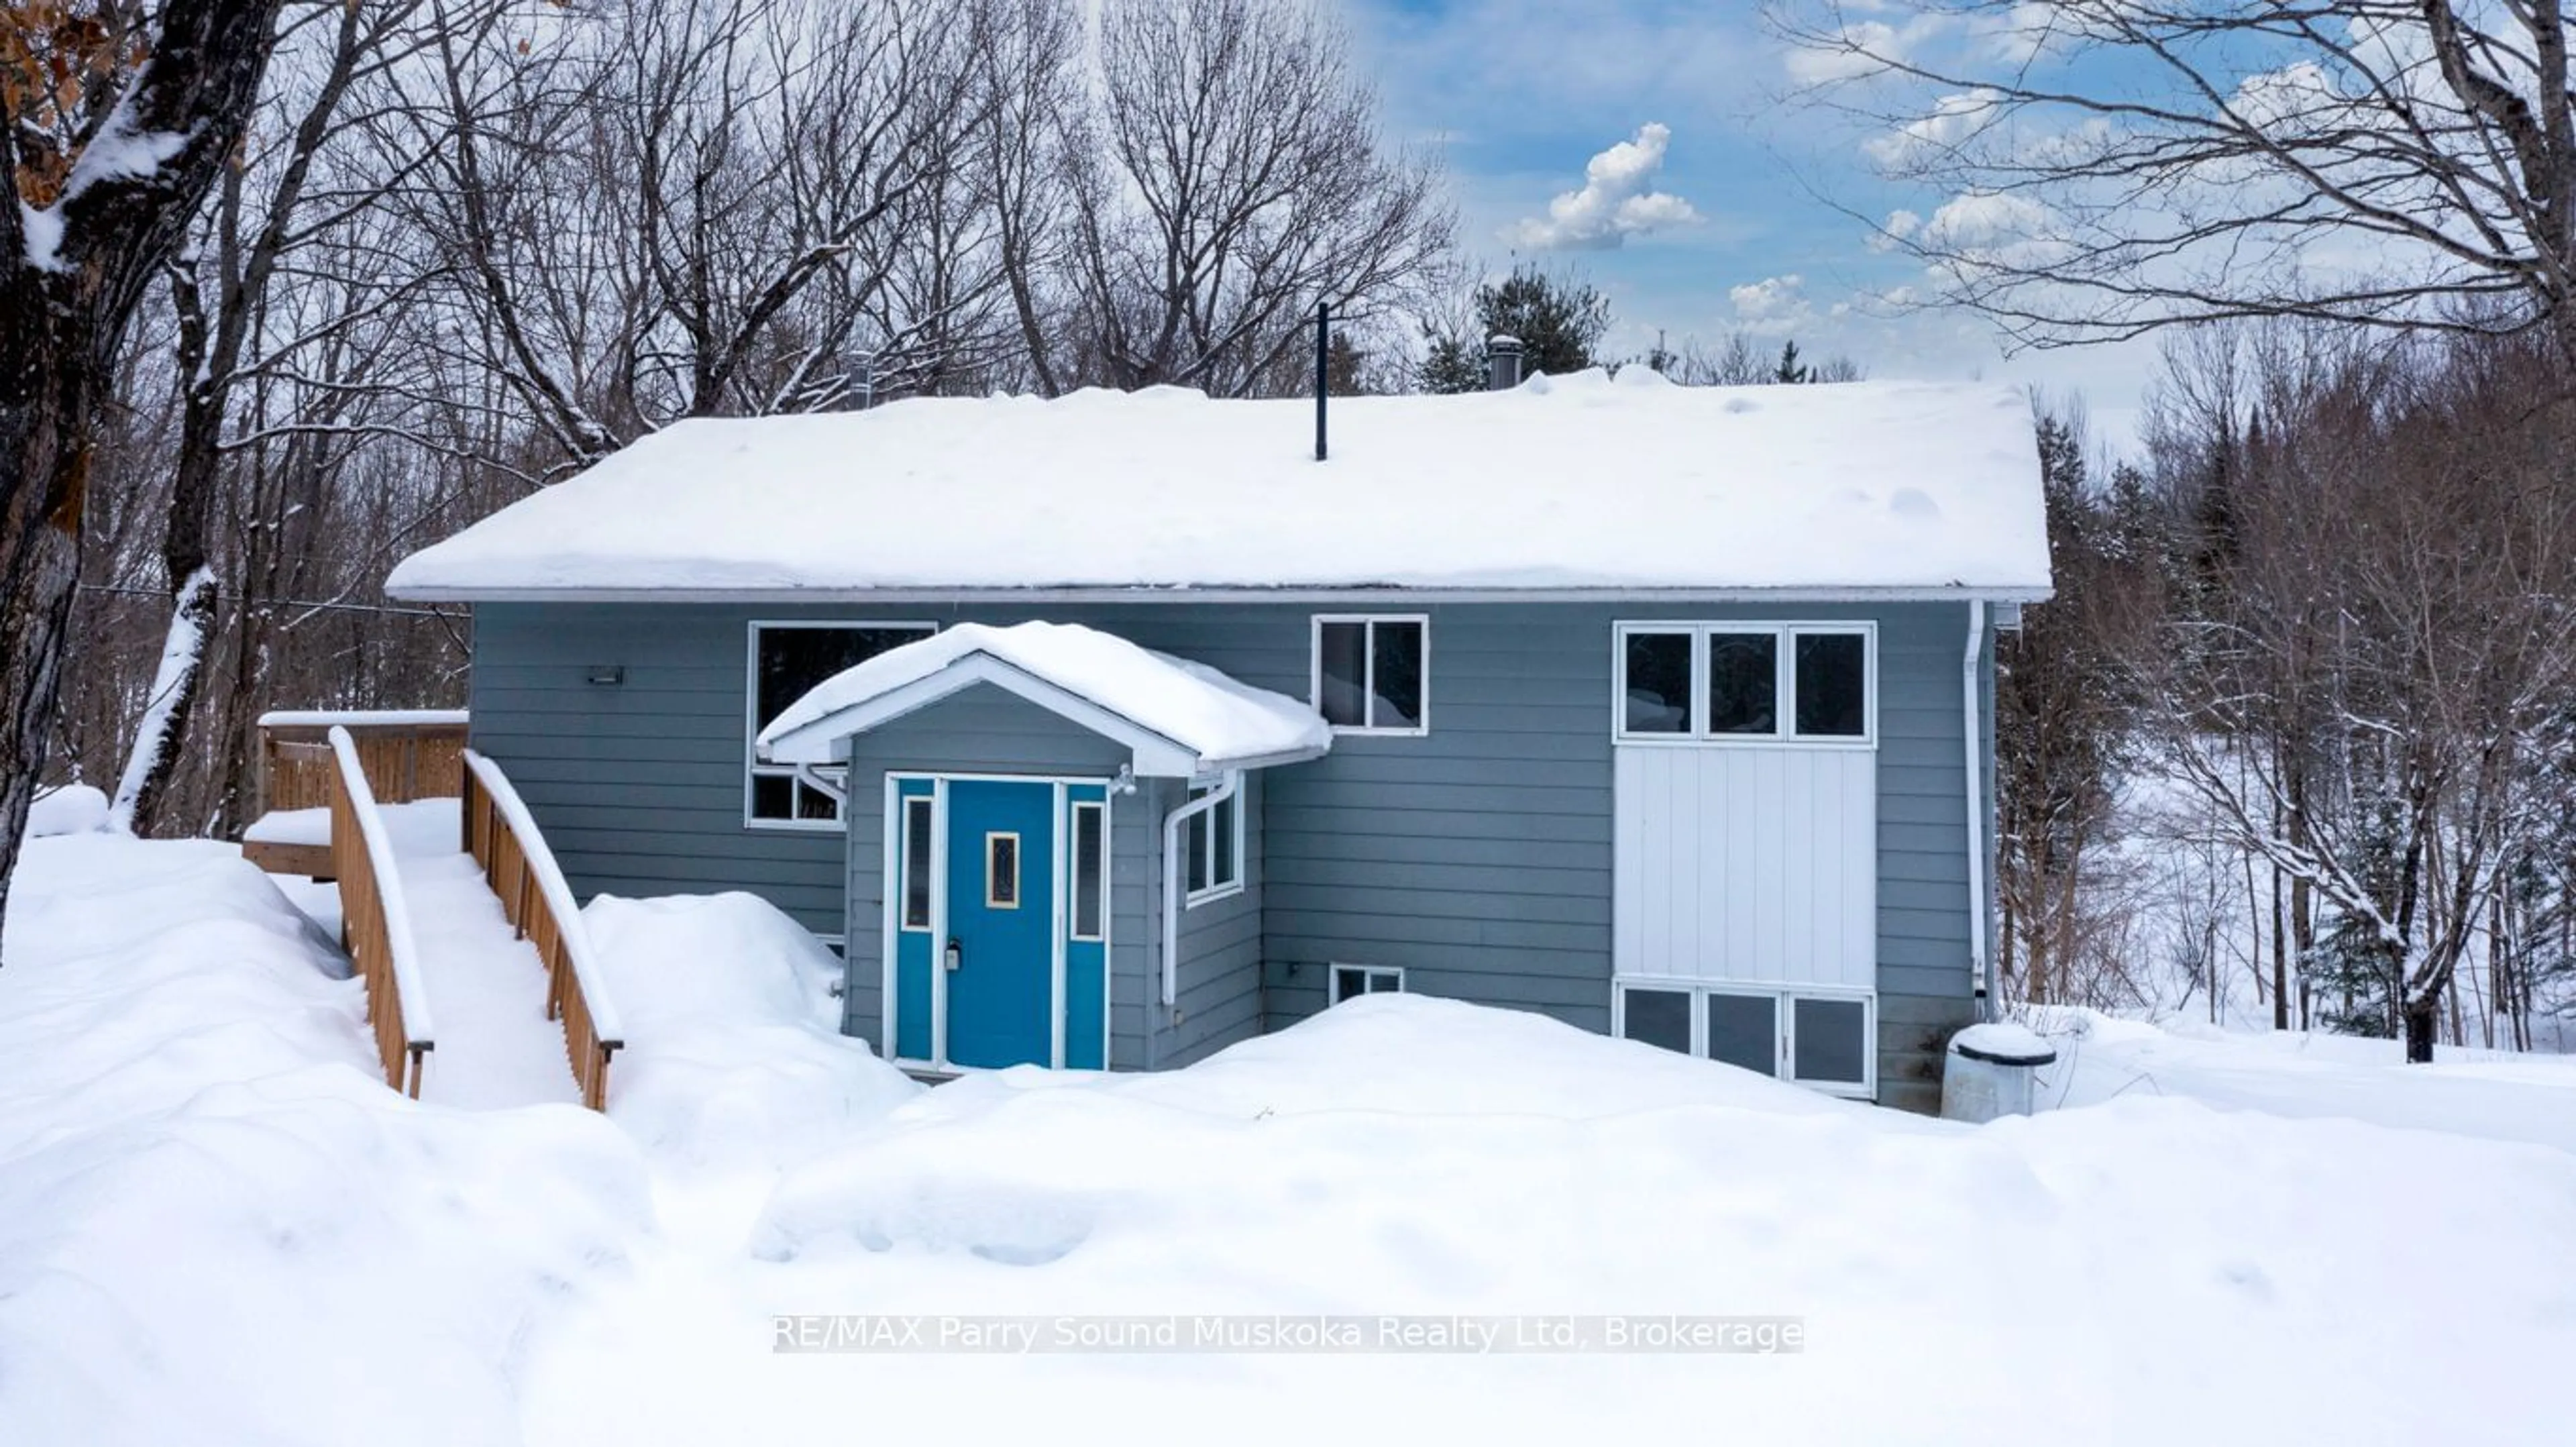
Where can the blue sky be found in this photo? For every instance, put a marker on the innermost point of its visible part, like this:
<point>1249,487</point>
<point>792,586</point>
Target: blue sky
<point>1518,95</point>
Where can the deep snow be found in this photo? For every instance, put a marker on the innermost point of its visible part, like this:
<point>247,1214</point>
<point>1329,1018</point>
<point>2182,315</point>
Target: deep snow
<point>1583,481</point>
<point>217,1226</point>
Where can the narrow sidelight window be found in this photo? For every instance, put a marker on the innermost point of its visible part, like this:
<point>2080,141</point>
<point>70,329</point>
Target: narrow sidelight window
<point>916,862</point>
<point>1743,683</point>
<point>1373,675</point>
<point>1002,871</point>
<point>1659,683</point>
<point>1832,685</point>
<point>1090,871</point>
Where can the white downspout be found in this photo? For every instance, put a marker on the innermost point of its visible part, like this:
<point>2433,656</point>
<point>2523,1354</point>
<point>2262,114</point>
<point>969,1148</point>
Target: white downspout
<point>1173,824</point>
<point>1981,962</point>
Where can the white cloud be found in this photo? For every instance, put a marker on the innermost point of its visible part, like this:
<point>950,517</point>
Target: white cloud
<point>1617,200</point>
<point>1861,48</point>
<point>1952,121</point>
<point>1773,306</point>
<point>1900,225</point>
<point>1986,220</point>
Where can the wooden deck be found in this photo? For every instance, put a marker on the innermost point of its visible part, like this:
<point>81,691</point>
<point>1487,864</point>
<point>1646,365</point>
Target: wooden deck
<point>408,755</point>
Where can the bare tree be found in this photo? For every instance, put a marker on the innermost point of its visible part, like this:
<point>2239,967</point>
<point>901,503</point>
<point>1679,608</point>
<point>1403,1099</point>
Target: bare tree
<point>2368,697</point>
<point>113,124</point>
<point>278,201</point>
<point>2064,719</point>
<point>1234,178</point>
<point>2097,168</point>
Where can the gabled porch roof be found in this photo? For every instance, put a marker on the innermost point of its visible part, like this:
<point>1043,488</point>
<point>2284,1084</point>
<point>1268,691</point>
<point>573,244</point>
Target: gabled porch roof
<point>1182,719</point>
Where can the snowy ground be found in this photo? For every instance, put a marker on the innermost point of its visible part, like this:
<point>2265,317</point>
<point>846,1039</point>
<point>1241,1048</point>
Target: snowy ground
<point>215,1226</point>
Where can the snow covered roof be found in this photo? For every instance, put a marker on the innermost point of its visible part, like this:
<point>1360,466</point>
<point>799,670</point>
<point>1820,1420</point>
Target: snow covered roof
<point>1182,718</point>
<point>1578,483</point>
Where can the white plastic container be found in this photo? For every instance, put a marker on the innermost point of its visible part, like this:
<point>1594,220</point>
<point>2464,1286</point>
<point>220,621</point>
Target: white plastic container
<point>1991,1072</point>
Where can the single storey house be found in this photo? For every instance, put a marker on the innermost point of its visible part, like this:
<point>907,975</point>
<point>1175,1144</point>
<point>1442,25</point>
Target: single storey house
<point>1110,730</point>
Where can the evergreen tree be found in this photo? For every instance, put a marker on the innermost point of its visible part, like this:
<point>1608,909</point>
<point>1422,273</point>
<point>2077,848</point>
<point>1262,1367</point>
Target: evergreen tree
<point>1558,321</point>
<point>1790,372</point>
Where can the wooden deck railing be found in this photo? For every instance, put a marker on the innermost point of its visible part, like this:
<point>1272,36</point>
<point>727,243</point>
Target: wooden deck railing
<point>503,838</point>
<point>375,922</point>
<point>407,755</point>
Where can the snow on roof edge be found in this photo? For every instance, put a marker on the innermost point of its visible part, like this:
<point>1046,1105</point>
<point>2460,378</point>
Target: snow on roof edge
<point>1220,719</point>
<point>1603,486</point>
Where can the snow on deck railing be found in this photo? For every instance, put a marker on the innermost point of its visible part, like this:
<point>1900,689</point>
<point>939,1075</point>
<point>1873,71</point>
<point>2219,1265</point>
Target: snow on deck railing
<point>503,838</point>
<point>408,754</point>
<point>381,718</point>
<point>376,922</point>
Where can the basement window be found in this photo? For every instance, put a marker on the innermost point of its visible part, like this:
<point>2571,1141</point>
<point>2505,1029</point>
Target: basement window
<point>1810,1036</point>
<point>1352,981</point>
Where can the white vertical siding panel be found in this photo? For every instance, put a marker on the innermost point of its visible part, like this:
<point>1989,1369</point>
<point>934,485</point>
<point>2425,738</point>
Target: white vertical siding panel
<point>1750,842</point>
<point>1718,905</point>
<point>1684,875</point>
<point>1800,937</point>
<point>1859,872</point>
<point>1771,887</point>
<point>1746,864</point>
<point>1626,933</point>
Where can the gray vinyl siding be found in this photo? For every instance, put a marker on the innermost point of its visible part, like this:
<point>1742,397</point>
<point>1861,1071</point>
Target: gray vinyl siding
<point>639,785</point>
<point>1477,857</point>
<point>1221,944</point>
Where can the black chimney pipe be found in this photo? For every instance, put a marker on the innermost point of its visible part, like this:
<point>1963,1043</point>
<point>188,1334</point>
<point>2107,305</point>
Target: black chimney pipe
<point>1323,365</point>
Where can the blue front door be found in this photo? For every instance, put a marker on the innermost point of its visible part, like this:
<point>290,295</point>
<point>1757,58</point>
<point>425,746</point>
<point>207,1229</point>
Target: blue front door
<point>1001,923</point>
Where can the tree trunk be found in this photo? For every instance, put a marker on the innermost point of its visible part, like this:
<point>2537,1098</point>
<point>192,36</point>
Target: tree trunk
<point>2423,1020</point>
<point>70,276</point>
<point>158,734</point>
<point>46,389</point>
<point>194,596</point>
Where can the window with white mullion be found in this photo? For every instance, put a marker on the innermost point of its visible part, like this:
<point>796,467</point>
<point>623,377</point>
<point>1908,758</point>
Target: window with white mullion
<point>1814,1037</point>
<point>1789,683</point>
<point>1372,673</point>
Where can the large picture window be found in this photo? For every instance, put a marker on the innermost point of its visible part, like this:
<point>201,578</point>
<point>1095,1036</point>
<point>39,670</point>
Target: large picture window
<point>1745,682</point>
<point>1372,675</point>
<point>786,661</point>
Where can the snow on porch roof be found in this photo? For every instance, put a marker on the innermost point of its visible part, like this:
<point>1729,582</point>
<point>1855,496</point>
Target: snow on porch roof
<point>1182,718</point>
<point>1564,484</point>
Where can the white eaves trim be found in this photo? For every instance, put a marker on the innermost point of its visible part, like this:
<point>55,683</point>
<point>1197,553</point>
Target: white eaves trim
<point>1352,597</point>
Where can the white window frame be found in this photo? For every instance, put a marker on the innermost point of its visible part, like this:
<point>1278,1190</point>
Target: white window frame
<point>1203,827</point>
<point>1785,994</point>
<point>1333,979</point>
<point>1784,684</point>
<point>1368,674</point>
<point>752,766</point>
<point>1073,872</point>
